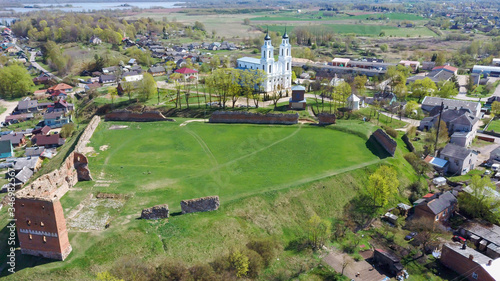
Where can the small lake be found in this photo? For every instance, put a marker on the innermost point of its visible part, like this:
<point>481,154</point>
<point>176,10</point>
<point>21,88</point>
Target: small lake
<point>89,6</point>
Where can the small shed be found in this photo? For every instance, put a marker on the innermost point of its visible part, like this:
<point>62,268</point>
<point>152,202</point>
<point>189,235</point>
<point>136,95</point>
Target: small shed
<point>390,218</point>
<point>404,209</point>
<point>439,181</point>
<point>387,261</point>
<point>353,102</point>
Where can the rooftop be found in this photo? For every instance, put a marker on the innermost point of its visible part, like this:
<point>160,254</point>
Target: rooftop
<point>467,252</point>
<point>249,60</point>
<point>490,233</point>
<point>455,151</point>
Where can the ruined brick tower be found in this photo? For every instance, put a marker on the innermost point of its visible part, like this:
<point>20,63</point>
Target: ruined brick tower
<point>41,228</point>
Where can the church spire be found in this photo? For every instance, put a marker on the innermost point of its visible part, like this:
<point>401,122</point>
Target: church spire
<point>267,35</point>
<point>285,36</point>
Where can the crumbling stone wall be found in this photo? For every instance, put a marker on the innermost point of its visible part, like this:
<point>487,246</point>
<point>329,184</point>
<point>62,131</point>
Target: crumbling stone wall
<point>253,118</point>
<point>204,204</point>
<point>87,134</point>
<point>131,116</point>
<point>326,119</point>
<point>156,212</point>
<point>385,141</point>
<point>81,164</point>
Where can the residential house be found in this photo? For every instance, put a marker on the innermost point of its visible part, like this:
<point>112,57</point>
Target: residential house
<point>17,139</point>
<point>136,68</point>
<point>92,86</point>
<point>438,74</point>
<point>56,119</point>
<point>469,263</point>
<point>430,103</point>
<point>26,106</point>
<point>48,141</point>
<point>437,207</point>
<point>22,177</point>
<point>428,65</point>
<point>447,68</point>
<point>495,155</point>
<point>93,79</point>
<point>12,119</point>
<point>94,40</point>
<point>157,70</point>
<point>33,163</point>
<point>60,106</point>
<point>45,130</point>
<point>40,94</point>
<point>107,79</point>
<point>484,236</point>
<point>340,62</point>
<point>6,149</point>
<point>461,120</point>
<point>58,95</point>
<point>132,76</point>
<point>132,62</point>
<point>43,78</point>
<point>187,73</point>
<point>34,151</point>
<point>463,138</point>
<point>62,87</point>
<point>413,64</point>
<point>461,160</point>
<point>110,70</point>
<point>387,261</point>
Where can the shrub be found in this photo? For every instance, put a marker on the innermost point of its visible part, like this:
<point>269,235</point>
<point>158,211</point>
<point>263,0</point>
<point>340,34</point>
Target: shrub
<point>390,131</point>
<point>266,248</point>
<point>172,270</point>
<point>255,263</point>
<point>203,272</point>
<point>67,130</point>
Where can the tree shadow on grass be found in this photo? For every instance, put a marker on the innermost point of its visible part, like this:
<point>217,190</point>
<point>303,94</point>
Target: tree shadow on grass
<point>361,210</point>
<point>21,261</point>
<point>376,148</point>
<point>298,245</point>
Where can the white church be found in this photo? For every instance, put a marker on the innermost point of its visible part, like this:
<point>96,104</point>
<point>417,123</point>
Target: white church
<point>279,73</point>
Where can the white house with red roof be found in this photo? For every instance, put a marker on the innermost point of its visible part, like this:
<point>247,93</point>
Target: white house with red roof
<point>187,73</point>
<point>447,68</point>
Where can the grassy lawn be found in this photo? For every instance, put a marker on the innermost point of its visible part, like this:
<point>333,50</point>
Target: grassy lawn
<point>494,126</point>
<point>270,179</point>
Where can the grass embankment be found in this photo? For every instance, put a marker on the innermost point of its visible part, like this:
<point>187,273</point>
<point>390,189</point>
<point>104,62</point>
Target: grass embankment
<point>271,180</point>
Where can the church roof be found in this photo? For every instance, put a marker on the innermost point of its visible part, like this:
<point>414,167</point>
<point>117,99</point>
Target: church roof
<point>267,36</point>
<point>249,60</point>
<point>353,97</point>
<point>285,36</point>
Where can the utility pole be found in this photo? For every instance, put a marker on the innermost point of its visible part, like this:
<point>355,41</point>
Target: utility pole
<point>439,125</point>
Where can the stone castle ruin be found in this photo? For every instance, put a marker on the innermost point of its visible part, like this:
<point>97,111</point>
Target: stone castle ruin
<point>253,118</point>
<point>326,119</point>
<point>204,204</point>
<point>41,226</point>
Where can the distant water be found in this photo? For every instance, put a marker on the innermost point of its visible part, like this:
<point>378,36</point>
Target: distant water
<point>89,6</point>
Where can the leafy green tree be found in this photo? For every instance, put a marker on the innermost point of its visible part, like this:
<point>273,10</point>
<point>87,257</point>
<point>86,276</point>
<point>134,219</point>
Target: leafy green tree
<point>440,59</point>
<point>480,201</point>
<point>446,89</point>
<point>470,85</point>
<point>112,91</point>
<point>67,130</point>
<point>410,108</point>
<point>15,81</point>
<point>422,88</point>
<point>383,183</point>
<point>495,108</point>
<point>359,84</point>
<point>148,86</point>
<point>318,230</point>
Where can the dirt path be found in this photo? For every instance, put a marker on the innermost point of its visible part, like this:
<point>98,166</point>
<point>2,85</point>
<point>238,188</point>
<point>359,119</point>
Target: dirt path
<point>10,106</point>
<point>204,146</point>
<point>190,121</point>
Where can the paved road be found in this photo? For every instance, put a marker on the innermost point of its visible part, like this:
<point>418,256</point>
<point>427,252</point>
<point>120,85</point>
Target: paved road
<point>462,81</point>
<point>404,119</point>
<point>39,67</point>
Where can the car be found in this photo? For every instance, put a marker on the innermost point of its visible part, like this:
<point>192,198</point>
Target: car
<point>410,236</point>
<point>459,239</point>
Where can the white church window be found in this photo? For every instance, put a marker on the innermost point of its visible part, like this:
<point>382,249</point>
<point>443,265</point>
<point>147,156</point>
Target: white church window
<point>269,68</point>
<point>269,54</point>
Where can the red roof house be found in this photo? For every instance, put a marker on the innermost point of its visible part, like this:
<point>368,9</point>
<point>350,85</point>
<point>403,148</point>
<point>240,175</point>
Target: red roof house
<point>187,73</point>
<point>448,68</point>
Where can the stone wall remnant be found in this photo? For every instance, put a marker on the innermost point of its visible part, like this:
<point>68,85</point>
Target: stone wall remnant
<point>204,204</point>
<point>155,212</point>
<point>253,118</point>
<point>385,141</point>
<point>326,119</point>
<point>132,116</point>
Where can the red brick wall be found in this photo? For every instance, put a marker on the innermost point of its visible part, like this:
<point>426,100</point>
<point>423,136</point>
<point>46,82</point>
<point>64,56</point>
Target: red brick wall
<point>51,216</point>
<point>253,118</point>
<point>385,141</point>
<point>326,119</point>
<point>463,265</point>
<point>146,116</point>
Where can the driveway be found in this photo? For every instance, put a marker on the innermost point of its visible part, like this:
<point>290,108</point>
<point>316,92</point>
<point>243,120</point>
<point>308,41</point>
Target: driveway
<point>366,271</point>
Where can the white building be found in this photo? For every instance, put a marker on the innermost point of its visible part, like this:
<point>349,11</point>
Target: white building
<point>353,102</point>
<point>279,73</point>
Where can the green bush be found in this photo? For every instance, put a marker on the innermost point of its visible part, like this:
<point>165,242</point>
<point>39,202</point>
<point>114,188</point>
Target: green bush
<point>67,130</point>
<point>390,131</point>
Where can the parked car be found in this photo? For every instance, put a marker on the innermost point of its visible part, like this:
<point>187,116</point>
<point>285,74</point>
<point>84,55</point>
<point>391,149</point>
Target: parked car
<point>410,236</point>
<point>459,239</point>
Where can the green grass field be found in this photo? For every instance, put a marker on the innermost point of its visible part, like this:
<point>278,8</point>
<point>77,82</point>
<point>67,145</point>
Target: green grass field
<point>270,179</point>
<point>319,16</point>
<point>494,126</point>
<point>361,29</point>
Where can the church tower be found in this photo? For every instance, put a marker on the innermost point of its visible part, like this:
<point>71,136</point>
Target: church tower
<point>285,61</point>
<point>267,59</point>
